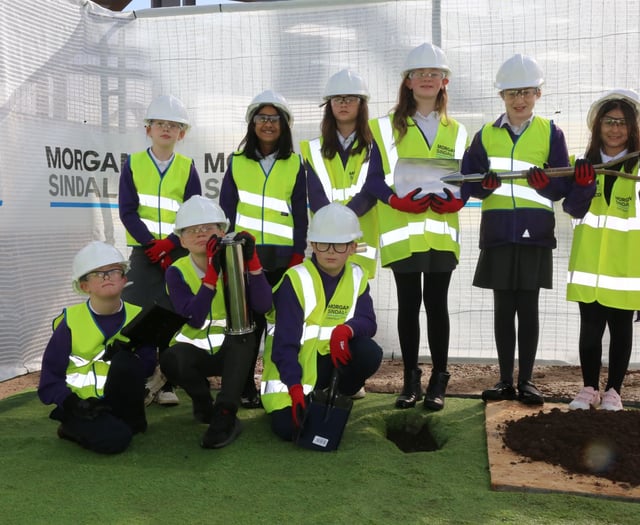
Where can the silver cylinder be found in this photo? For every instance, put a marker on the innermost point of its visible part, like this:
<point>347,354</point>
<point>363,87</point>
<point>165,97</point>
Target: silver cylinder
<point>239,318</point>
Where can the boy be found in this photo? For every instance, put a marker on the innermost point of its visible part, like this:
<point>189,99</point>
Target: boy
<point>201,349</point>
<point>153,184</point>
<point>325,304</point>
<point>100,403</point>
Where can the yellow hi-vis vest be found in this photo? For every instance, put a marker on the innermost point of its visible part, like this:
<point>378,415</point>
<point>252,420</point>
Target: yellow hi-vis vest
<point>264,203</point>
<point>402,234</point>
<point>604,265</point>
<point>341,184</point>
<point>160,197</point>
<point>531,149</point>
<point>86,372</point>
<point>210,335</point>
<point>319,322</point>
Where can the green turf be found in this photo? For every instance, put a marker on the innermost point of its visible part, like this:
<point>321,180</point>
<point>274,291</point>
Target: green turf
<point>165,477</point>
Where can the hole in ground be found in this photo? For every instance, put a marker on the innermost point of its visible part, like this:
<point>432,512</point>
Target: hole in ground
<point>412,437</point>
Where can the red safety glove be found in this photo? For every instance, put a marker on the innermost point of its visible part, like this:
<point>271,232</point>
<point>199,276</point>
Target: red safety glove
<point>409,203</point>
<point>537,178</point>
<point>491,181</point>
<point>165,262</point>
<point>213,261</point>
<point>339,344</point>
<point>158,248</point>
<point>449,205</point>
<point>295,260</point>
<point>584,172</point>
<point>297,404</point>
<point>249,253</point>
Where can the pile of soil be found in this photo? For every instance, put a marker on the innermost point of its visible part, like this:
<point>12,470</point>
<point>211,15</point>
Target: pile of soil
<point>592,442</point>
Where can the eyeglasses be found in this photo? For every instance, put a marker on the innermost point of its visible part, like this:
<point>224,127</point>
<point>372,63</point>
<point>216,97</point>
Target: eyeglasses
<point>195,230</point>
<point>513,94</point>
<point>166,124</point>
<point>338,247</point>
<point>421,73</point>
<point>263,119</point>
<point>611,122</point>
<point>105,274</point>
<point>348,100</point>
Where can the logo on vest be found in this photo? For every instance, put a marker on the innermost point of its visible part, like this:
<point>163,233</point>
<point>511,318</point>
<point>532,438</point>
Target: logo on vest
<point>337,311</point>
<point>444,151</point>
<point>526,234</point>
<point>622,203</point>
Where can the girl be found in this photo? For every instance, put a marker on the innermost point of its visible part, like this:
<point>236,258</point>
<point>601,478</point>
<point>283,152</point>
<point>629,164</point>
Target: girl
<point>419,235</point>
<point>604,253</point>
<point>339,162</point>
<point>264,193</point>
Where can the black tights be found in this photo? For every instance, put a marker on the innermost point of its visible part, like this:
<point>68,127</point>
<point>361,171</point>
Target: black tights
<point>594,317</point>
<point>506,304</point>
<point>412,290</point>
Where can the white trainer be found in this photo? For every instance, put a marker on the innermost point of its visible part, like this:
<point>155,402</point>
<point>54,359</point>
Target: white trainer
<point>167,398</point>
<point>587,397</point>
<point>611,401</point>
<point>359,394</point>
<point>154,383</point>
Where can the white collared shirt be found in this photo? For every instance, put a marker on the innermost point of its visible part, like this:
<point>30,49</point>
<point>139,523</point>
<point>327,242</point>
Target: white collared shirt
<point>517,130</point>
<point>428,124</point>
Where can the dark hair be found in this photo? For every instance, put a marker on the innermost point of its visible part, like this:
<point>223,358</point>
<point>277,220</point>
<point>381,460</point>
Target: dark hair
<point>633,139</point>
<point>250,143</point>
<point>329,129</point>
<point>406,107</point>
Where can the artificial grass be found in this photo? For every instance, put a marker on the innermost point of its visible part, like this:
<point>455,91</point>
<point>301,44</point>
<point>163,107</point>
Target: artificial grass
<point>165,477</point>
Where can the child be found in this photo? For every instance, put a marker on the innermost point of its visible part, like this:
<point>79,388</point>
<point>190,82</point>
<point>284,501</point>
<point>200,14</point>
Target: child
<point>325,303</point>
<point>604,254</point>
<point>201,349</point>
<point>339,162</point>
<point>100,404</point>
<point>517,224</point>
<point>419,235</point>
<point>264,192</point>
<point>153,184</point>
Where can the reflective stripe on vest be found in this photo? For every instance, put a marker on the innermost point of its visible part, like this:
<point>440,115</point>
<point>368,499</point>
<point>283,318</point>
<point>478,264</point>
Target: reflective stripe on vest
<point>264,200</point>
<point>210,335</point>
<point>319,322</point>
<point>603,265</point>
<point>86,373</point>
<point>159,196</point>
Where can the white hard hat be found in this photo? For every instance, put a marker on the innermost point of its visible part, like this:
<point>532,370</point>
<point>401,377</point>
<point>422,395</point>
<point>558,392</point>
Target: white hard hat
<point>167,107</point>
<point>269,98</point>
<point>426,56</point>
<point>93,256</point>
<point>346,82</point>
<point>519,71</point>
<point>334,223</point>
<point>626,95</point>
<point>199,210</point>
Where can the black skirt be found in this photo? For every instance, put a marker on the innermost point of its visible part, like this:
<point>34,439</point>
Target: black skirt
<point>431,261</point>
<point>514,267</point>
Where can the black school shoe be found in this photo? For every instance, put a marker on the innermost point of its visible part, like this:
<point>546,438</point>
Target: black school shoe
<point>501,391</point>
<point>225,427</point>
<point>528,394</point>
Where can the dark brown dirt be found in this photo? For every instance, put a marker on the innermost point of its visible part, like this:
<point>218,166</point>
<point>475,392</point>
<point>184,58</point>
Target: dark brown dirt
<point>593,442</point>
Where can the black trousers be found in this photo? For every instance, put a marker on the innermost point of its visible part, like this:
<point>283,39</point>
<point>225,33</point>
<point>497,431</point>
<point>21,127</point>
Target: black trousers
<point>594,317</point>
<point>366,356</point>
<point>189,367</point>
<point>110,432</point>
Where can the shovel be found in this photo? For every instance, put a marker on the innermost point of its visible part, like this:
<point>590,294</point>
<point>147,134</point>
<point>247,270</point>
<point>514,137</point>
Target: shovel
<point>325,418</point>
<point>457,178</point>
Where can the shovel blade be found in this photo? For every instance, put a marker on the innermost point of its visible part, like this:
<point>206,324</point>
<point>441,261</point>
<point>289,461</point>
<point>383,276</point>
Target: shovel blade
<point>324,421</point>
<point>410,174</point>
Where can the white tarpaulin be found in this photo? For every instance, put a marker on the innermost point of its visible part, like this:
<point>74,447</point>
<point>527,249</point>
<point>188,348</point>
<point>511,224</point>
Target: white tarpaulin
<point>75,81</point>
